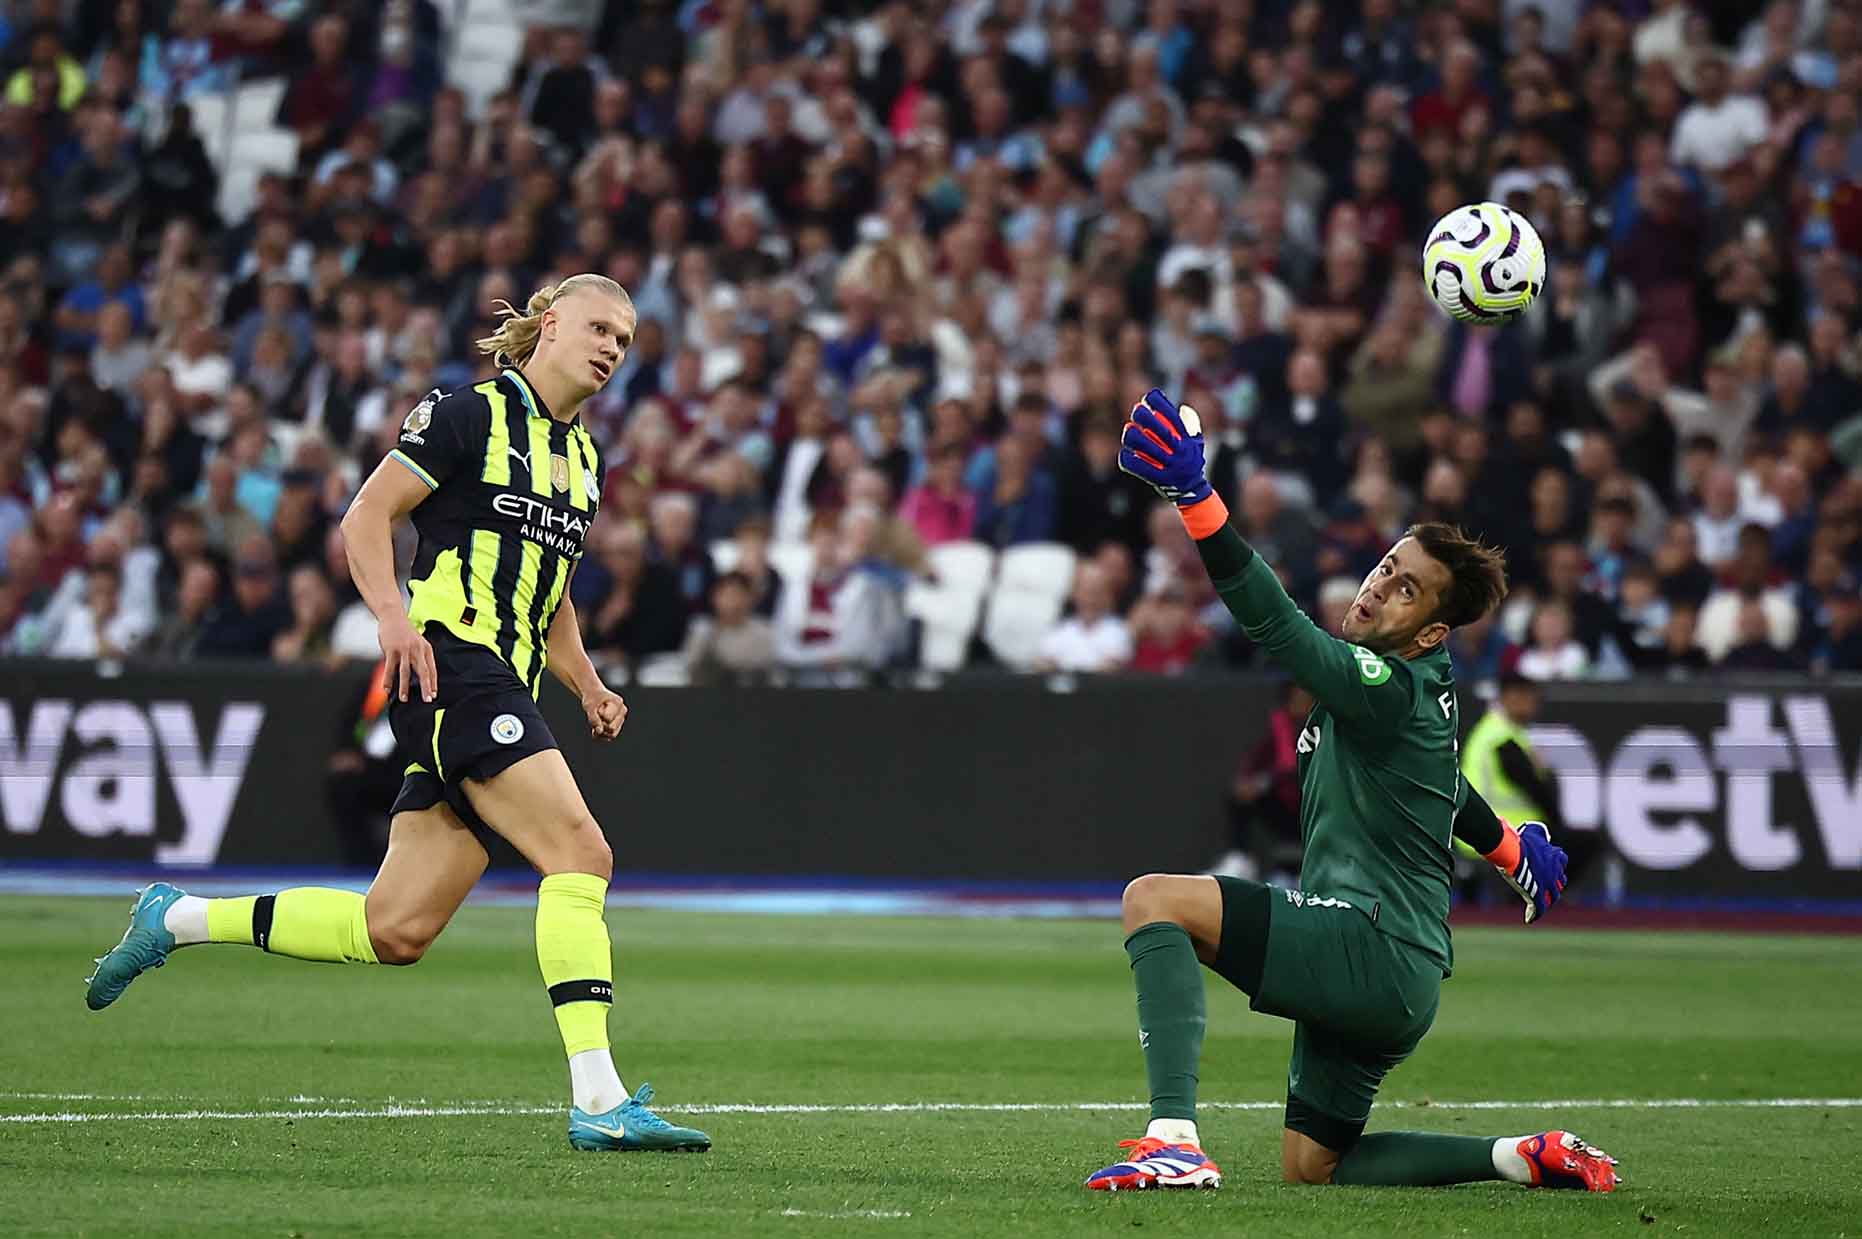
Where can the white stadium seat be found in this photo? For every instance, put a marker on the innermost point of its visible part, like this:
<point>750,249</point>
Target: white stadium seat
<point>479,79</point>
<point>662,671</point>
<point>724,555</point>
<point>949,618</point>
<point>264,149</point>
<point>1032,584</point>
<point>213,115</point>
<point>1017,622</point>
<point>1036,567</point>
<point>255,104</point>
<point>253,152</point>
<point>488,40</point>
<point>793,561</point>
<point>963,566</point>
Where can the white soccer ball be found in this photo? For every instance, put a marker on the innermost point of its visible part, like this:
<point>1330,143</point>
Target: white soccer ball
<point>1483,263</point>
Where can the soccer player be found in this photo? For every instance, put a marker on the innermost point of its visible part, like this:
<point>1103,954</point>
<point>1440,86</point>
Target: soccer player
<point>502,482</point>
<point>1357,957</point>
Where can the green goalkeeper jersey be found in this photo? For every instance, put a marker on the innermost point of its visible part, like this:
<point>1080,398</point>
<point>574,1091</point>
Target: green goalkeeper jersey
<point>1380,782</point>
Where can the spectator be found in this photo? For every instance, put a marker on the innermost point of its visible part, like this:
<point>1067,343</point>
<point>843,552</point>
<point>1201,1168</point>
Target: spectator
<point>1718,128</point>
<point>939,508</point>
<point>1304,436</point>
<point>1284,535</point>
<point>1717,524</point>
<point>836,618</point>
<point>733,642</point>
<point>45,53</point>
<point>1166,636</point>
<point>78,313</point>
<point>1019,505</point>
<point>194,603</point>
<point>1841,647</point>
<point>676,548</point>
<point>895,544</point>
<point>1749,579</point>
<point>97,195</point>
<point>1753,649</point>
<point>1263,807</point>
<point>750,560</point>
<point>1096,501</point>
<point>248,622</point>
<point>313,616</point>
<point>326,96</point>
<point>1553,653</point>
<point>99,628</point>
<point>1092,638</point>
<point>642,611</point>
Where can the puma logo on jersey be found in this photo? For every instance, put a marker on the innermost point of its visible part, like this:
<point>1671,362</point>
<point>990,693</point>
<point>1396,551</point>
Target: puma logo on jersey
<point>522,458</point>
<point>1309,740</point>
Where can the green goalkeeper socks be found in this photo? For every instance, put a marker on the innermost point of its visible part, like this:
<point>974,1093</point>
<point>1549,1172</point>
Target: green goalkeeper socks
<point>1416,1159</point>
<point>1170,1015</point>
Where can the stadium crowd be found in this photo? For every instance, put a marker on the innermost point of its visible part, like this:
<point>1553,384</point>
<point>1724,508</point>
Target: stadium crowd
<point>902,269</point>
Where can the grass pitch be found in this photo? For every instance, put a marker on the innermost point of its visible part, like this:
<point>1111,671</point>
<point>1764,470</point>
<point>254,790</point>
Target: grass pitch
<point>236,1094</point>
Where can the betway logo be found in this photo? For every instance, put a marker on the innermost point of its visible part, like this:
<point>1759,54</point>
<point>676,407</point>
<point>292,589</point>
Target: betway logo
<point>107,785</point>
<point>541,514</point>
<point>1651,792</point>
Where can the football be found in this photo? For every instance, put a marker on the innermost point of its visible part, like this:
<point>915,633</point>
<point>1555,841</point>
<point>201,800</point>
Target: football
<point>1483,263</point>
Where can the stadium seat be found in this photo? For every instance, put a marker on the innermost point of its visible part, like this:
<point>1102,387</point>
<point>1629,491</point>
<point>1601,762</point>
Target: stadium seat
<point>964,567</point>
<point>213,116</point>
<point>478,79</point>
<point>1032,583</point>
<point>264,149</point>
<point>662,671</point>
<point>255,104</point>
<point>253,153</point>
<point>793,561</point>
<point>1017,621</point>
<point>1036,567</point>
<point>488,40</point>
<point>949,617</point>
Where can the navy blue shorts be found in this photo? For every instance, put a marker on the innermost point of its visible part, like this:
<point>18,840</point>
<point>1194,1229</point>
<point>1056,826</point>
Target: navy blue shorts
<point>481,721</point>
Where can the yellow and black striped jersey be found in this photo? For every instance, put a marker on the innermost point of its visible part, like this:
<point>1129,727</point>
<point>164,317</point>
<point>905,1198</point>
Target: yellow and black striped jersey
<point>514,494</point>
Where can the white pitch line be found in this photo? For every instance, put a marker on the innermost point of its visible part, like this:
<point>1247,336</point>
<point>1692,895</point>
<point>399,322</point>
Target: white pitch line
<point>496,1109</point>
<point>195,1116</point>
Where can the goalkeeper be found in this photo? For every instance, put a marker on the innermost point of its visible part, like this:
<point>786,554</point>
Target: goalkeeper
<point>1356,957</point>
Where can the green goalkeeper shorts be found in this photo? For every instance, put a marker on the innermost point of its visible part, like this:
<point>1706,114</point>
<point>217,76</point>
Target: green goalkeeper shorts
<point>1361,1002</point>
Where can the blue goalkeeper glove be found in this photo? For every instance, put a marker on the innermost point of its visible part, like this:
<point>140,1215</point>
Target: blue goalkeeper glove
<point>1163,445</point>
<point>1538,875</point>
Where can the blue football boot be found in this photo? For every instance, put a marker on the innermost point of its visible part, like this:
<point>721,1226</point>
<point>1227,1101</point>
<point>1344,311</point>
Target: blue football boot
<point>630,1126</point>
<point>145,945</point>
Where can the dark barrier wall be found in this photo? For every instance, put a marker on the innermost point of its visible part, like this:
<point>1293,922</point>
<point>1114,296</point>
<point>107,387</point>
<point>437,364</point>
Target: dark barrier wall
<point>1702,789</point>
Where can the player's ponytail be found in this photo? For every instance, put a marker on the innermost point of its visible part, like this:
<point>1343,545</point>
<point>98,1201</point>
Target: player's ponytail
<point>516,337</point>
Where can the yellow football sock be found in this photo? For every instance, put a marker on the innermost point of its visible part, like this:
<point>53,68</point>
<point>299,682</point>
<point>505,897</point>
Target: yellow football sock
<point>305,922</point>
<point>573,952</point>
<point>230,920</point>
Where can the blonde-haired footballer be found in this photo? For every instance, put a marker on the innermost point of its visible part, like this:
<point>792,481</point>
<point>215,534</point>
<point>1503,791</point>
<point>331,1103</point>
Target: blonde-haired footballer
<point>503,483</point>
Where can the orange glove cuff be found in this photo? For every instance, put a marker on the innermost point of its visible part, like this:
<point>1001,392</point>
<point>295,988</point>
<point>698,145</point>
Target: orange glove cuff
<point>1204,517</point>
<point>1506,856</point>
